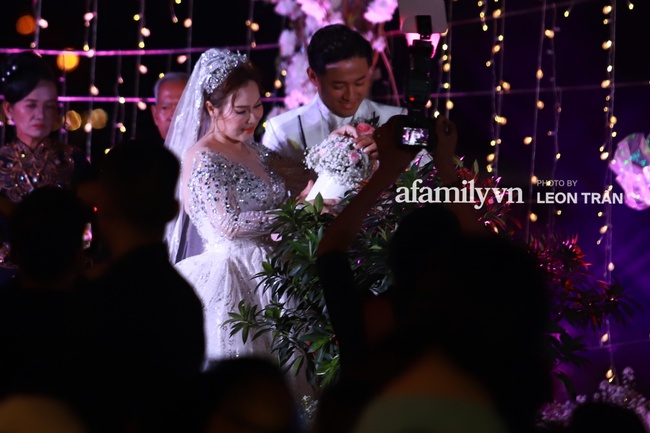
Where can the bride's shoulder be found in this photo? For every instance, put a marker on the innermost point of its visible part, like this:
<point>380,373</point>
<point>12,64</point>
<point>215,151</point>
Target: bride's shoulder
<point>201,150</point>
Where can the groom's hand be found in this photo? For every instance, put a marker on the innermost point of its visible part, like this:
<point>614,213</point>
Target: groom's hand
<point>368,145</point>
<point>365,142</point>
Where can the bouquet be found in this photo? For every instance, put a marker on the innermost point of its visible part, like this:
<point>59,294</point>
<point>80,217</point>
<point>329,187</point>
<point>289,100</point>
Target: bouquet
<point>340,167</point>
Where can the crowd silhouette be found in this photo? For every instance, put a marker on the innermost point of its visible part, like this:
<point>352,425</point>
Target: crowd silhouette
<point>107,336</point>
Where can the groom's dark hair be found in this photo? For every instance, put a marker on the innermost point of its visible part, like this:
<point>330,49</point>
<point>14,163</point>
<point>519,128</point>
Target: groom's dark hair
<point>334,43</point>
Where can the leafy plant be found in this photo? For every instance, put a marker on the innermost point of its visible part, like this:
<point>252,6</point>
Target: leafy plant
<point>297,317</point>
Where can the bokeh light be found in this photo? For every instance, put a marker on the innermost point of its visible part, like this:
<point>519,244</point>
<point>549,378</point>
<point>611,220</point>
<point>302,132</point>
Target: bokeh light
<point>67,61</point>
<point>72,120</point>
<point>26,25</point>
<point>98,118</point>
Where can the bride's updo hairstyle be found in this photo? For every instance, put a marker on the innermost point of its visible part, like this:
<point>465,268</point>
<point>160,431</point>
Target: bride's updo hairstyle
<point>235,80</point>
<point>21,73</point>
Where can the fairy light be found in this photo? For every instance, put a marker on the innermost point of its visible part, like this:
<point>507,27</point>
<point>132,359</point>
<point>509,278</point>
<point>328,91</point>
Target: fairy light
<point>190,17</point>
<point>172,10</point>
<point>90,44</point>
<point>483,6</point>
<point>118,104</point>
<point>610,122</point>
<point>554,133</point>
<point>499,87</point>
<point>533,145</point>
<point>37,18</point>
<point>445,44</point>
<point>251,25</point>
<point>139,67</point>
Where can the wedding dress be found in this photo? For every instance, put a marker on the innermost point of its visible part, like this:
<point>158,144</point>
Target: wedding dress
<point>229,205</point>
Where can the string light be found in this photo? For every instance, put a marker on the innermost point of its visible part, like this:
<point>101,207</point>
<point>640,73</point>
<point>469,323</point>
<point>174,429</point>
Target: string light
<point>118,103</point>
<point>188,44</point>
<point>498,85</point>
<point>37,19</point>
<point>549,33</point>
<point>445,67</point>
<point>486,17</point>
<point>251,25</point>
<point>533,143</point>
<point>172,10</point>
<point>90,44</point>
<point>139,67</point>
<point>606,150</point>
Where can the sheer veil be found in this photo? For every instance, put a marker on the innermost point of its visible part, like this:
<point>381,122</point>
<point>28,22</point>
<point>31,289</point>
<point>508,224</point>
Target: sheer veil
<point>191,122</point>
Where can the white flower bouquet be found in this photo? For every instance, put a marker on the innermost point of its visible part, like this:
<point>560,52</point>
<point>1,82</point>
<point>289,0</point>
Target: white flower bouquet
<point>340,167</point>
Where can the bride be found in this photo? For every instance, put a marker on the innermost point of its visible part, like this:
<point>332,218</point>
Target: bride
<point>227,190</point>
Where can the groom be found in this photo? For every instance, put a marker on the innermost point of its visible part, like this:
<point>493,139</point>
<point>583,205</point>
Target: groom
<point>340,61</point>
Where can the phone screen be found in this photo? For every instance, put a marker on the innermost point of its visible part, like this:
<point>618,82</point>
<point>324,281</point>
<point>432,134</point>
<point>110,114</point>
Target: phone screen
<point>415,136</point>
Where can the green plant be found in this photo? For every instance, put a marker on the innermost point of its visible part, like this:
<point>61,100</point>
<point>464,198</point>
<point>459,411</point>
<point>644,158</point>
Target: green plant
<point>297,317</point>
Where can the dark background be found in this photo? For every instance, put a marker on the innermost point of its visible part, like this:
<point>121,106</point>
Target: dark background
<point>574,65</point>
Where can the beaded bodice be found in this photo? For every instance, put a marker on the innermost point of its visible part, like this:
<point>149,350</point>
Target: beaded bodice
<point>227,201</point>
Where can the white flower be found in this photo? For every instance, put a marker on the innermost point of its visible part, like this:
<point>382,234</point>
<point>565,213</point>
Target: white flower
<point>380,11</point>
<point>296,98</point>
<point>337,157</point>
<point>379,44</point>
<point>288,41</point>
<point>287,8</point>
<point>314,8</point>
<point>298,89</point>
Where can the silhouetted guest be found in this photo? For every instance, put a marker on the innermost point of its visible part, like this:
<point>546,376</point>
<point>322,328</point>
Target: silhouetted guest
<point>40,413</point>
<point>465,350</point>
<point>605,417</point>
<point>246,394</point>
<point>147,322</point>
<point>38,319</point>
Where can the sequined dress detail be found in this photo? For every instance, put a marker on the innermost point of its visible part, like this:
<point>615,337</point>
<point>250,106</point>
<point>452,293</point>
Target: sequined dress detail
<point>22,170</point>
<point>229,205</point>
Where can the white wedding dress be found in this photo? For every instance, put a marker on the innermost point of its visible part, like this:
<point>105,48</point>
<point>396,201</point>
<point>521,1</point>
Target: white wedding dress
<point>229,205</point>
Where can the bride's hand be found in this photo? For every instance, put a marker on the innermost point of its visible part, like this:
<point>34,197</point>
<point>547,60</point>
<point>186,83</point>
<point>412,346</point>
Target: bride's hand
<point>328,204</point>
<point>305,192</point>
<point>345,130</point>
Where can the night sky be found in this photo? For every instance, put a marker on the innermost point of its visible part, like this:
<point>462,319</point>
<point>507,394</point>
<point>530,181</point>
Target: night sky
<point>574,72</point>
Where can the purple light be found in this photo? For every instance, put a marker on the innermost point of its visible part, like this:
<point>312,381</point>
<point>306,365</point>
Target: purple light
<point>109,53</point>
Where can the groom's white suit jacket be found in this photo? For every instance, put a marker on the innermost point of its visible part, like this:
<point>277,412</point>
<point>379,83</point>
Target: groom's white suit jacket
<point>293,131</point>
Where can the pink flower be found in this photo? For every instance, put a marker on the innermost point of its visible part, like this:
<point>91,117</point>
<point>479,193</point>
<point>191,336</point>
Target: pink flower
<point>365,128</point>
<point>354,157</point>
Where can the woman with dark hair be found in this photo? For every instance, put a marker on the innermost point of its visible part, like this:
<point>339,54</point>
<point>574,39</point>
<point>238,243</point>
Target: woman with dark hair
<point>228,189</point>
<point>32,158</point>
